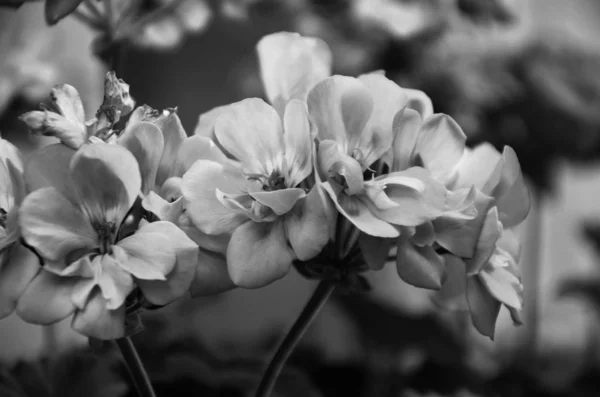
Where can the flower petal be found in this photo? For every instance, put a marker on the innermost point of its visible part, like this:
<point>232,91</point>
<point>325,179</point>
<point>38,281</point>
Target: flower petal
<point>280,201</point>
<point>206,122</point>
<point>199,187</point>
<point>67,100</point>
<point>252,132</point>
<point>53,226</point>
<point>419,101</point>
<point>306,227</point>
<point>480,167</point>
<point>173,136</point>
<point>486,244</point>
<point>197,148</point>
<point>484,307</point>
<point>340,107</point>
<point>20,268</point>
<point>107,181</point>
<point>420,266</point>
<point>406,127</point>
<point>375,250</point>
<point>332,161</point>
<point>145,141</point>
<point>213,243</point>
<point>388,97</point>
<point>258,254</point>
<point>211,275</point>
<point>512,195</point>
<point>179,279</point>
<point>113,278</point>
<point>453,294</point>
<point>500,279</point>
<point>48,123</point>
<point>298,142</point>
<point>164,210</point>
<point>291,65</point>
<point>359,213</point>
<point>97,321</point>
<point>49,167</point>
<point>47,299</point>
<point>440,146</point>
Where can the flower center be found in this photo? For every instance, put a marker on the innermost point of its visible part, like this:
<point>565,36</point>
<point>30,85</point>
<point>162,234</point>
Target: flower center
<point>275,181</point>
<point>105,233</point>
<point>3,215</point>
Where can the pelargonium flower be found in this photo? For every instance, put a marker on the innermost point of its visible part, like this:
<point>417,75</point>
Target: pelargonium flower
<point>68,123</point>
<point>354,118</point>
<point>164,153</point>
<point>18,265</point>
<point>484,247</point>
<point>74,225</point>
<point>259,199</point>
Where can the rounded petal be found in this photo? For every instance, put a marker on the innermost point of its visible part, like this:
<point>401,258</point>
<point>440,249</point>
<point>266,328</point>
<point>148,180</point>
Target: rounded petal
<point>484,307</point>
<point>490,232</point>
<point>290,65</point>
<point>280,201</point>
<point>378,135</point>
<point>147,254</point>
<point>211,275</point>
<point>453,294</point>
<point>298,142</point>
<point>163,209</point>
<point>420,102</point>
<point>406,127</point>
<point>252,132</point>
<point>173,136</point>
<point>145,141</point>
<point>12,187</point>
<point>340,108</point>
<point>375,250</point>
<point>49,167</point>
<point>440,146</point>
<point>53,226</point>
<point>47,299</point>
<point>21,267</point>
<point>480,167</point>
<point>333,161</point>
<point>107,181</point>
<point>179,279</point>
<point>206,122</point>
<point>67,100</point>
<point>197,148</point>
<point>258,254</point>
<point>114,280</point>
<point>306,226</point>
<point>420,266</point>
<point>95,320</point>
<point>512,195</point>
<point>199,187</point>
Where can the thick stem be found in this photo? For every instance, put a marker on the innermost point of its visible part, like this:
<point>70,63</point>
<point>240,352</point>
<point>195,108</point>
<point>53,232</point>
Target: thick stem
<point>310,311</point>
<point>136,368</point>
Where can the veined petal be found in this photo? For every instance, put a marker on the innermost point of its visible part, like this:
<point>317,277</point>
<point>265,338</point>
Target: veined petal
<point>49,167</point>
<point>419,101</point>
<point>340,107</point>
<point>406,127</point>
<point>197,148</point>
<point>107,181</point>
<point>199,187</point>
<point>179,279</point>
<point>480,167</point>
<point>420,266</point>
<point>332,161</point>
<point>484,307</point>
<point>173,135</point>
<point>97,321</point>
<point>47,299</point>
<point>252,132</point>
<point>280,201</point>
<point>298,141</point>
<point>211,275</point>
<point>258,254</point>
<point>113,278</point>
<point>306,226</point>
<point>53,226</point>
<point>145,141</point>
<point>512,195</point>
<point>486,244</point>
<point>388,97</point>
<point>67,100</point>
<point>359,214</point>
<point>20,268</point>
<point>291,65</point>
<point>440,146</point>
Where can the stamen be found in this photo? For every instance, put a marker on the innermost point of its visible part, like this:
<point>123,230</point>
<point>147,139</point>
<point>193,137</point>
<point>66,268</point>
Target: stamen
<point>105,232</point>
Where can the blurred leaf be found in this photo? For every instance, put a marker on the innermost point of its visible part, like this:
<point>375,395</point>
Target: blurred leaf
<point>58,9</point>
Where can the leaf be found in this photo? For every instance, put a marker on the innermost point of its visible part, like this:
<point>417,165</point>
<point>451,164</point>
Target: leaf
<point>58,9</point>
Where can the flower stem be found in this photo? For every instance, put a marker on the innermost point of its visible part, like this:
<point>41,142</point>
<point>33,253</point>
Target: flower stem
<point>136,368</point>
<point>310,311</point>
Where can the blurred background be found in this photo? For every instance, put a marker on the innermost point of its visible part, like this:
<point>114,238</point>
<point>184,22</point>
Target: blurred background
<point>524,73</point>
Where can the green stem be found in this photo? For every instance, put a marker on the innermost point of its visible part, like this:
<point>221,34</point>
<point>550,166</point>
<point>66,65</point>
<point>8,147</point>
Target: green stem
<point>136,368</point>
<point>310,311</point>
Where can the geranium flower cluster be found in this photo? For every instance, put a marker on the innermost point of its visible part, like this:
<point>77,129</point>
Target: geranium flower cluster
<point>332,174</point>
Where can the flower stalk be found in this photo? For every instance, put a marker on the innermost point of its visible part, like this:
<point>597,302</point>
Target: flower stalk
<point>136,368</point>
<point>310,311</point>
